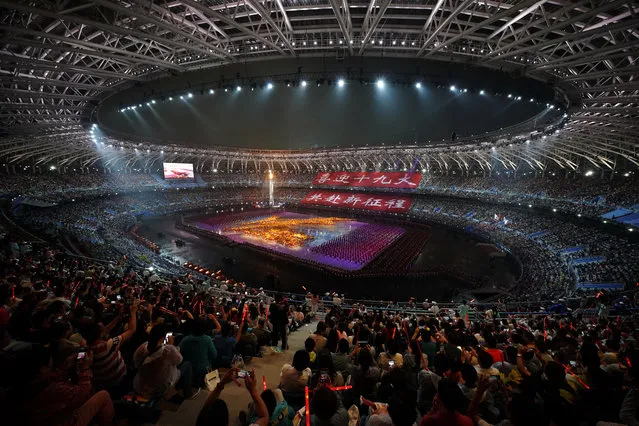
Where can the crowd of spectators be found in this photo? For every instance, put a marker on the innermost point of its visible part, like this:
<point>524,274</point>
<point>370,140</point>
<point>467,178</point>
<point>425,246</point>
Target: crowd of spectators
<point>79,337</point>
<point>539,241</point>
<point>100,224</point>
<point>586,195</point>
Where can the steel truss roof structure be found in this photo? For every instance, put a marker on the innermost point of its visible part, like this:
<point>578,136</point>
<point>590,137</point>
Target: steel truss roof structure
<point>59,58</point>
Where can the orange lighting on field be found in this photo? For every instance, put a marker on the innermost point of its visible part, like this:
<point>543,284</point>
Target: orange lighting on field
<point>270,175</point>
<point>287,232</point>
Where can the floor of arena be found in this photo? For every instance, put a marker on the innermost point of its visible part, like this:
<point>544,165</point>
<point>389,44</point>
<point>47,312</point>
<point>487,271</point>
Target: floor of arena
<point>443,247</point>
<point>333,241</point>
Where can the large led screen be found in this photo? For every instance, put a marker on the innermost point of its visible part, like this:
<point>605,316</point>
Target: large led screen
<point>178,171</point>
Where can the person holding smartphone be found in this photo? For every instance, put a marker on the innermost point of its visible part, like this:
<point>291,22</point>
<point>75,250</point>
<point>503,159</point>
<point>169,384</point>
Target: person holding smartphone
<point>108,366</point>
<point>216,412</point>
<point>160,366</point>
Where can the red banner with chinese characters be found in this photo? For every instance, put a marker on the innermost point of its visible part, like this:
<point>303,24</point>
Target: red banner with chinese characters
<point>376,202</point>
<point>369,179</point>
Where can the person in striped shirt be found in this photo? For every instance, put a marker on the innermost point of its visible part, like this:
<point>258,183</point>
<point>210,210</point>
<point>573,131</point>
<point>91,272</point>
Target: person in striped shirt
<point>108,366</point>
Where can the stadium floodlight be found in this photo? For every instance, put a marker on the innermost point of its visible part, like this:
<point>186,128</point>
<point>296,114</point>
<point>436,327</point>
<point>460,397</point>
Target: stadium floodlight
<point>190,95</point>
<point>341,82</point>
<point>578,214</point>
<point>529,205</point>
<point>181,96</point>
<point>510,96</point>
<point>148,103</point>
<point>153,101</point>
<point>161,151</point>
<point>380,84</point>
<point>170,98</point>
<point>532,100</point>
<point>481,92</point>
<point>269,86</point>
<point>304,83</point>
<point>465,90</point>
<point>452,88</point>
<point>211,91</point>
<point>418,85</point>
<point>519,98</point>
<point>238,89</point>
<point>554,210</point>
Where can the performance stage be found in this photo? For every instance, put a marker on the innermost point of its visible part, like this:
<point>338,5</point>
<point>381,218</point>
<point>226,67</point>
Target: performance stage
<point>333,241</point>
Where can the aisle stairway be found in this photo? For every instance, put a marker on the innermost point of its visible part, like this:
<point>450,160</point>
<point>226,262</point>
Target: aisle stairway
<point>237,398</point>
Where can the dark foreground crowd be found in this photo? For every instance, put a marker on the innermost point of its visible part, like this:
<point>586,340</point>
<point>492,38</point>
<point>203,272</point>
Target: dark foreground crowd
<point>101,343</point>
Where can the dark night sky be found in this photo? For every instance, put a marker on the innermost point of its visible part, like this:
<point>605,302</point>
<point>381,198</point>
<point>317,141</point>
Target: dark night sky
<point>298,118</point>
<point>294,118</point>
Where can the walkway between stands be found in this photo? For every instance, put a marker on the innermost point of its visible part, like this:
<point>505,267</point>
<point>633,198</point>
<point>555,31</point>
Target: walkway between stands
<point>237,398</point>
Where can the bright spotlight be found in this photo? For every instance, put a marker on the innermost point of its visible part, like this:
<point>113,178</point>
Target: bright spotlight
<point>52,168</point>
<point>304,83</point>
<point>481,92</point>
<point>418,85</point>
<point>170,98</point>
<point>211,91</point>
<point>190,95</point>
<point>554,210</point>
<point>380,84</point>
<point>153,101</point>
<point>590,173</point>
<point>238,88</point>
<point>341,82</point>
<point>510,96</point>
<point>269,86</point>
<point>181,96</point>
<point>453,88</point>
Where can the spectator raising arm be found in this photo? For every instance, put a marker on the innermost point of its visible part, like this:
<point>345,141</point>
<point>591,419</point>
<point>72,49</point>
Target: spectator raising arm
<point>260,406</point>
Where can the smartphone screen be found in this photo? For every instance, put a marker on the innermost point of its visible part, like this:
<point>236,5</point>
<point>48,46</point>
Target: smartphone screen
<point>573,364</point>
<point>166,338</point>
<point>241,374</point>
<point>391,362</point>
<point>82,355</point>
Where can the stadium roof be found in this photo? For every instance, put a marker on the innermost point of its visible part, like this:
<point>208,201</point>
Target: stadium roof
<point>59,59</point>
